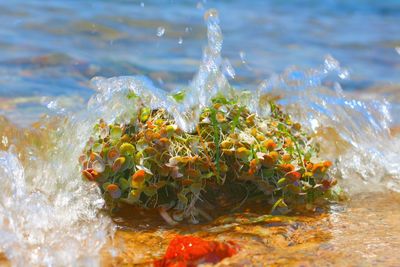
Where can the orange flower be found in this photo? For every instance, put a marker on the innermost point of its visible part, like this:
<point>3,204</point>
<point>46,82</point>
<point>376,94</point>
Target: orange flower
<point>186,182</point>
<point>163,141</point>
<point>309,166</point>
<point>327,164</point>
<point>260,137</point>
<point>293,176</point>
<point>149,135</point>
<point>242,153</point>
<point>156,136</point>
<point>270,159</point>
<point>138,177</point>
<point>288,142</point>
<point>90,174</point>
<point>163,132</point>
<point>286,167</point>
<point>274,155</point>
<point>253,163</point>
<point>269,144</point>
<point>93,156</point>
<point>150,125</point>
<point>112,188</point>
<point>253,166</point>
<point>286,157</point>
<point>319,168</point>
<point>112,154</point>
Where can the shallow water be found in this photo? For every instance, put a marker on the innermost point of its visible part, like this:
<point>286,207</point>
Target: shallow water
<point>352,234</point>
<point>49,215</point>
<point>46,52</point>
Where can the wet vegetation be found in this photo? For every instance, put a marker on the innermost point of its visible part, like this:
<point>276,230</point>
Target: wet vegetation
<point>233,157</point>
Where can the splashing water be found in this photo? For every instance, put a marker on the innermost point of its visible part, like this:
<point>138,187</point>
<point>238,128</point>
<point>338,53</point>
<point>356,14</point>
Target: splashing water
<point>208,81</point>
<point>50,216</point>
<point>368,160</point>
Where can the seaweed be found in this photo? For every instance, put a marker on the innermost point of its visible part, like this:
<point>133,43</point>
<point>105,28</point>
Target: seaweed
<point>233,156</point>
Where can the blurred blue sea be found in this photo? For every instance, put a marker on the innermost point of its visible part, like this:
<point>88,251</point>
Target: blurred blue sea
<point>53,48</point>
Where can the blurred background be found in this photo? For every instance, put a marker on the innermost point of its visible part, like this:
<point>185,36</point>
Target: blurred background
<point>51,49</point>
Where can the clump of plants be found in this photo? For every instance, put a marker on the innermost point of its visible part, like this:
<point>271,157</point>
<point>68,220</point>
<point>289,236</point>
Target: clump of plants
<point>233,156</point>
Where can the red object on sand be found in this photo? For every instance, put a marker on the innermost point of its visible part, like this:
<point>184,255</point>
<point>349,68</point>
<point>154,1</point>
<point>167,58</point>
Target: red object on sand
<point>190,251</point>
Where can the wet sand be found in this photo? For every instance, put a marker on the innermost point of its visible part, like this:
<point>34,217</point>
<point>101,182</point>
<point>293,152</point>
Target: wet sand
<point>361,232</point>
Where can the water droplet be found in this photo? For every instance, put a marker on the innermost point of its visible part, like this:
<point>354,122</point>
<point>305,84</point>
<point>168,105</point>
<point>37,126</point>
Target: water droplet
<point>242,56</point>
<point>211,13</point>
<point>180,40</point>
<point>343,74</point>
<point>228,69</point>
<point>141,4</point>
<point>4,140</point>
<point>188,29</point>
<point>53,105</point>
<point>160,31</point>
<point>398,49</point>
<point>331,63</point>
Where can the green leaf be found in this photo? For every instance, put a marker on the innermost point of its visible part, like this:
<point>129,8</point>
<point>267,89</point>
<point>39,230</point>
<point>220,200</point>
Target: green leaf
<point>221,99</point>
<point>279,203</point>
<point>268,173</point>
<point>116,132</point>
<point>132,95</point>
<point>179,96</point>
<point>124,184</point>
<point>281,181</point>
<point>150,191</point>
<point>127,149</point>
<point>145,114</point>
<point>207,175</point>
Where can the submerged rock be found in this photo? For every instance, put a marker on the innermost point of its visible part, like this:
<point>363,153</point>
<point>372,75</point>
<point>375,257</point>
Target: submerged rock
<point>192,251</point>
